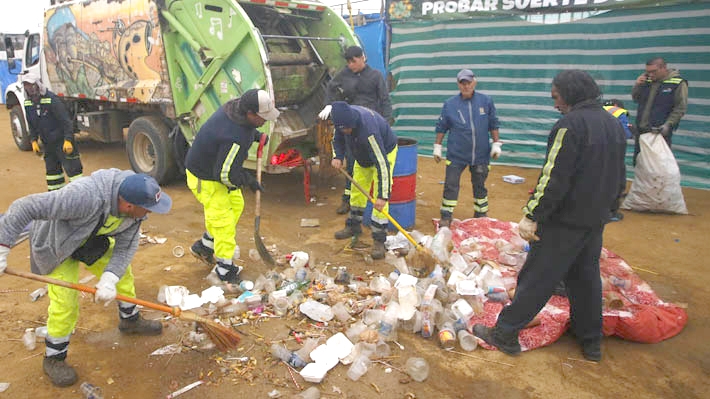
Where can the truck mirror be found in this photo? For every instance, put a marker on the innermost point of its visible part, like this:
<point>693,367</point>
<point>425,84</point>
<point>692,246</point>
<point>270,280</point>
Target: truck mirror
<point>9,48</point>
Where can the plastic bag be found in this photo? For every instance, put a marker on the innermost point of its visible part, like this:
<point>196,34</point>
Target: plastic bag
<point>656,185</point>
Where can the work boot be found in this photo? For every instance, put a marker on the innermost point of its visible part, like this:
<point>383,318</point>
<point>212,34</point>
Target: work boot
<point>344,207</point>
<point>480,214</point>
<point>592,350</point>
<point>616,216</point>
<point>203,252</point>
<point>378,250</point>
<point>444,222</point>
<point>347,232</point>
<point>228,273</point>
<point>137,325</point>
<point>59,372</point>
<point>506,343</point>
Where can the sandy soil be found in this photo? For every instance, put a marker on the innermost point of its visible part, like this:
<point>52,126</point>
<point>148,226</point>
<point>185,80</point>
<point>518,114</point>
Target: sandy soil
<point>673,246</point>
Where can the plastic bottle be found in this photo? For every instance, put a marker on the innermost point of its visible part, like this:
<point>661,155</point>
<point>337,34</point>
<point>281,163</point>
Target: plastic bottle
<point>287,356</point>
<point>388,324</point>
<point>359,367</point>
<point>341,311</point>
<point>467,341</point>
<point>427,310</point>
<point>29,339</point>
<point>90,391</point>
<point>417,368</point>
<point>440,244</point>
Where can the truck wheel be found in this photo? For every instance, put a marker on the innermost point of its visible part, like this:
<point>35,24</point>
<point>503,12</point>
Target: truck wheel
<point>149,148</point>
<point>19,130</point>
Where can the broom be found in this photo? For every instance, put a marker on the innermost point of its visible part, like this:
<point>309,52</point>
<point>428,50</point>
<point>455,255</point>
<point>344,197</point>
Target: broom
<point>424,261</point>
<point>223,337</point>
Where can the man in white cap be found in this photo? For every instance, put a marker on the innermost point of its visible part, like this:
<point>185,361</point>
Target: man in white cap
<point>216,177</point>
<point>96,221</point>
<point>49,122</point>
<point>468,117</point>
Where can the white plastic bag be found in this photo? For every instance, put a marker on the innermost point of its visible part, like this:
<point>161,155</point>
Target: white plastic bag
<point>656,185</point>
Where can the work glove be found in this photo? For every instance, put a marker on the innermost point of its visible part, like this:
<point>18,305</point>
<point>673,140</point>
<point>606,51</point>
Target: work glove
<point>325,113</point>
<point>336,163</point>
<point>258,138</point>
<point>251,182</point>
<point>527,229</point>
<point>106,288</point>
<point>437,153</point>
<point>35,147</point>
<point>3,258</point>
<point>665,129</point>
<point>496,149</point>
<point>68,148</point>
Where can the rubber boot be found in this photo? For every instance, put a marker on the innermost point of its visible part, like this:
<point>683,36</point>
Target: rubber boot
<point>378,250</point>
<point>344,207</point>
<point>228,273</point>
<point>506,343</point>
<point>592,350</point>
<point>59,372</point>
<point>137,325</point>
<point>348,231</point>
<point>203,253</point>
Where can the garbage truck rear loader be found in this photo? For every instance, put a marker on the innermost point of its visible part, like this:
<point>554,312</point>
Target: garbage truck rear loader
<point>161,68</point>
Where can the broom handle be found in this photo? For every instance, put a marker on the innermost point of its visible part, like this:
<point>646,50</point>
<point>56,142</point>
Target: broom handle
<point>175,311</point>
<point>391,219</point>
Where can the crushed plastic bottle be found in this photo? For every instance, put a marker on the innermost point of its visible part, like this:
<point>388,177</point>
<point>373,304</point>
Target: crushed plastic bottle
<point>417,368</point>
<point>90,391</point>
<point>29,339</point>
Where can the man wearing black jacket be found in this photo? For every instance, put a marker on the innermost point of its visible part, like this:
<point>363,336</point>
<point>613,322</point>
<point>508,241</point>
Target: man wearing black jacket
<point>564,219</point>
<point>216,177</point>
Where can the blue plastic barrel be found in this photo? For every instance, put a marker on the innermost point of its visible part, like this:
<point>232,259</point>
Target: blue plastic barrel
<point>403,201</point>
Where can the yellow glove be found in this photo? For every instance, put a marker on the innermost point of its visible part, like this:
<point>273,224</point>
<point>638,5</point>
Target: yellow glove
<point>35,147</point>
<point>68,148</point>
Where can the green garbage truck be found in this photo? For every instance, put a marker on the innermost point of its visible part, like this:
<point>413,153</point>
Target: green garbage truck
<point>150,72</point>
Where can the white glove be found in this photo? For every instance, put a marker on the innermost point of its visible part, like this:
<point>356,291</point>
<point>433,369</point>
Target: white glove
<point>325,113</point>
<point>3,258</point>
<point>496,149</point>
<point>106,288</point>
<point>437,153</point>
<point>527,229</point>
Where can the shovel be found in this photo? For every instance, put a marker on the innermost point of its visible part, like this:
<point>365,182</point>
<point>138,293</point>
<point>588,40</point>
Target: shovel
<point>265,255</point>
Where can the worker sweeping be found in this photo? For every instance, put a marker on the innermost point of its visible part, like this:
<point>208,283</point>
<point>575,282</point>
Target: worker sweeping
<point>95,221</point>
<point>374,148</point>
<point>216,177</point>
<point>50,124</point>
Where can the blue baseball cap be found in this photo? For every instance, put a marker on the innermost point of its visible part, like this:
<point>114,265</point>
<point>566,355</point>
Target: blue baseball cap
<point>142,190</point>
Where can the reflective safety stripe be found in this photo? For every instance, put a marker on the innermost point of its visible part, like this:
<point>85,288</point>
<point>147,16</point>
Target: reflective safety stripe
<point>72,178</point>
<point>55,177</point>
<point>28,103</point>
<point>448,202</point>
<point>546,172</point>
<point>674,81</point>
<point>616,111</point>
<point>381,160</point>
<point>45,100</point>
<point>56,346</point>
<point>227,165</point>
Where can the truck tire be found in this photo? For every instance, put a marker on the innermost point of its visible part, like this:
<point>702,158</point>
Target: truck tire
<point>150,150</point>
<point>18,128</point>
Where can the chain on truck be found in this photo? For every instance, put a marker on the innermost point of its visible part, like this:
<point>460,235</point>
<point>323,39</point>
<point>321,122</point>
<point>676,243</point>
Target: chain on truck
<point>150,72</point>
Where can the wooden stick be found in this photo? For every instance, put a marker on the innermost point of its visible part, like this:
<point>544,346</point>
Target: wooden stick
<point>645,270</point>
<point>480,358</point>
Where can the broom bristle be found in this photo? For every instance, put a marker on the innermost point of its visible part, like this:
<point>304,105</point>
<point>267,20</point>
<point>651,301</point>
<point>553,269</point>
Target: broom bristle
<point>422,262</point>
<point>223,337</point>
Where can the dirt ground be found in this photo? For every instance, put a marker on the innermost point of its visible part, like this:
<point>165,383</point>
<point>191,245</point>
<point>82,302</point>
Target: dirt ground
<point>673,246</point>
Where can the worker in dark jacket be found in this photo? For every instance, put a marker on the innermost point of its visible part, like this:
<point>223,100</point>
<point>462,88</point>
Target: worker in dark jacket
<point>357,84</point>
<point>49,122</point>
<point>216,177</point>
<point>564,219</point>
<point>95,221</point>
<point>469,117</point>
<point>662,97</point>
<point>374,149</point>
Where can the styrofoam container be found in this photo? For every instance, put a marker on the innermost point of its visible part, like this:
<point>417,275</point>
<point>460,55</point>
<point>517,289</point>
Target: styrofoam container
<point>314,372</point>
<point>340,345</point>
<point>513,179</point>
<point>325,356</point>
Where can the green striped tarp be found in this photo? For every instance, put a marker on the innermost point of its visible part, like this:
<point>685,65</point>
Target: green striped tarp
<point>515,62</point>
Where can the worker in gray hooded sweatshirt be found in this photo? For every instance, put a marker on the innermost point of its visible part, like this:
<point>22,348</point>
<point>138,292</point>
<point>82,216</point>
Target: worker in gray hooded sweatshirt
<point>96,221</point>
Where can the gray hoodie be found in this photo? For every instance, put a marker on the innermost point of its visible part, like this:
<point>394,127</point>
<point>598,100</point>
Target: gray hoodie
<point>63,219</point>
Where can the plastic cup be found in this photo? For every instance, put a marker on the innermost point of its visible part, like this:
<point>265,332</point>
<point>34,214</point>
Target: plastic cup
<point>467,341</point>
<point>359,367</point>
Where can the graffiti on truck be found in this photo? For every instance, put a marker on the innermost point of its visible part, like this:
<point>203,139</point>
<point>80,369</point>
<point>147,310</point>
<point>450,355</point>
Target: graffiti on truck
<point>91,52</point>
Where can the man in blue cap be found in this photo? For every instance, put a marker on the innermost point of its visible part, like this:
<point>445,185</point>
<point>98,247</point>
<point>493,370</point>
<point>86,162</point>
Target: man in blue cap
<point>96,221</point>
<point>374,149</point>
